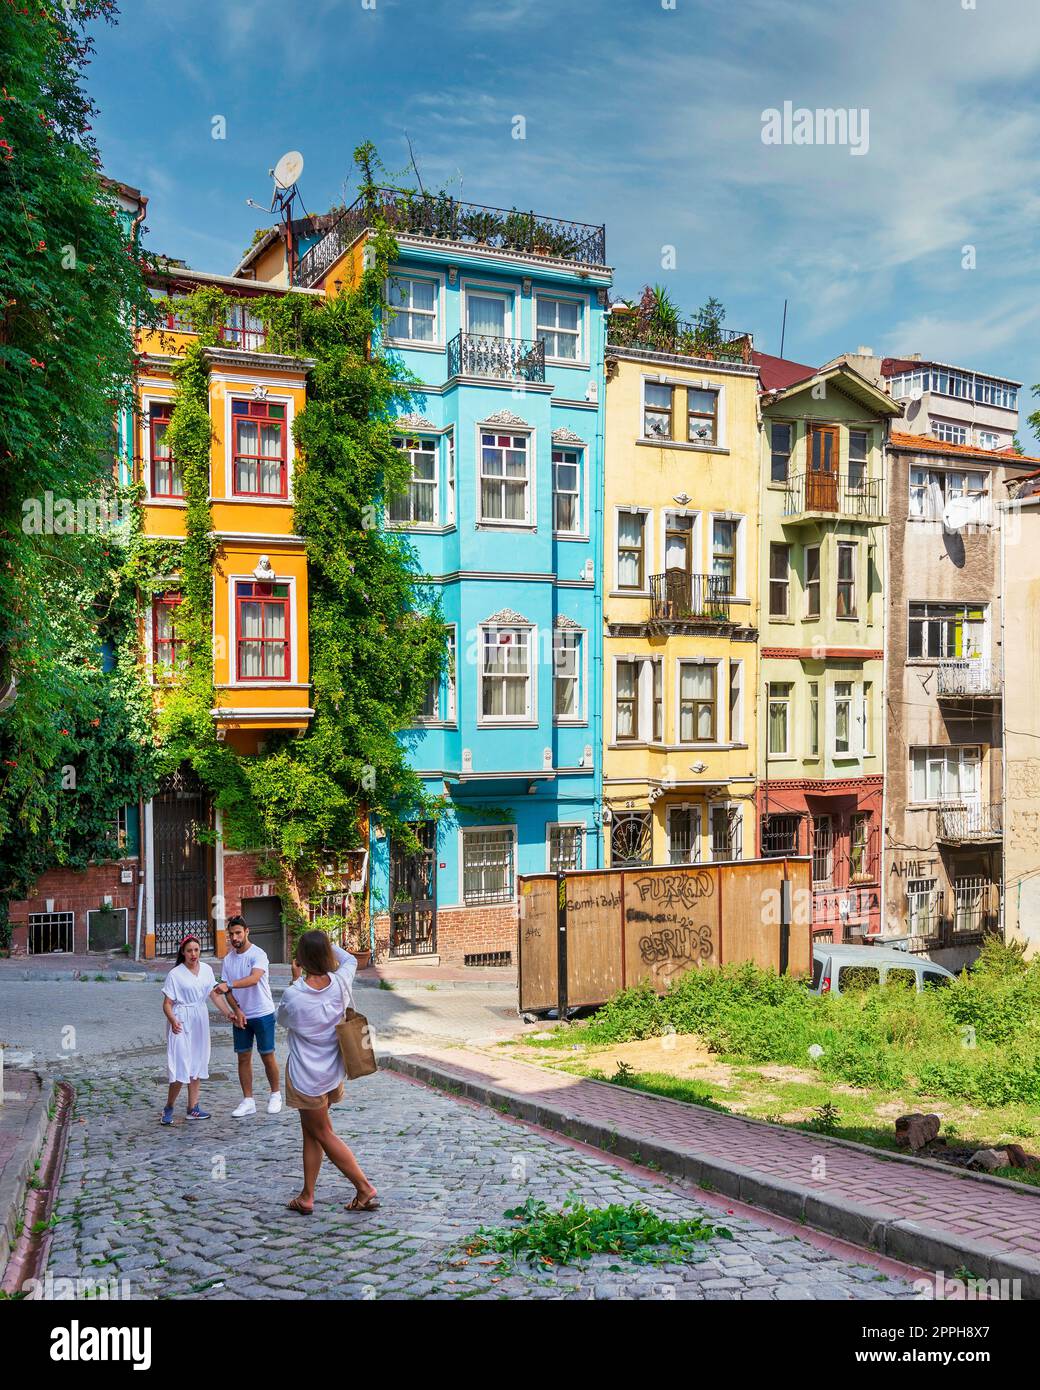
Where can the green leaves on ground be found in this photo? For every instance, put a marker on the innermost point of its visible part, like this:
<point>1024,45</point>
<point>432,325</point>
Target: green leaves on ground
<point>572,1232</point>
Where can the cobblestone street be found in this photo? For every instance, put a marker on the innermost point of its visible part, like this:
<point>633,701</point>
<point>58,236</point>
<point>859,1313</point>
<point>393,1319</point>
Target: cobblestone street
<point>199,1210</point>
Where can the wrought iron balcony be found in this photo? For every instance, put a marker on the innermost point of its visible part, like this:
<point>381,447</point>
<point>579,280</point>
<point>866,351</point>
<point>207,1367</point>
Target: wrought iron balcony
<point>630,330</point>
<point>969,676</point>
<point>504,359</point>
<point>679,597</point>
<point>961,823</point>
<point>446,219</point>
<point>851,497</point>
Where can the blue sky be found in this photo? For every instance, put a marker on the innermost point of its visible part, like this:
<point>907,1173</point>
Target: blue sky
<point>643,117</point>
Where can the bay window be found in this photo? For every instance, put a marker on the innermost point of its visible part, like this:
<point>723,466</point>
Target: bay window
<point>566,674</point>
<point>262,631</point>
<point>846,596</point>
<point>697,702</point>
<point>626,700</point>
<point>724,551</point>
<point>842,717</point>
<point>779,718</point>
<point>259,464</point>
<point>812,581</point>
<point>779,580</point>
<point>566,467</point>
<point>168,650</point>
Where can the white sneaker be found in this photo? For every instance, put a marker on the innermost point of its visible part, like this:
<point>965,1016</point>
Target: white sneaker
<point>244,1107</point>
<point>274,1105</point>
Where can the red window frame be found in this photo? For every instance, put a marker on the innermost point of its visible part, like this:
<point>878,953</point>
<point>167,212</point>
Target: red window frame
<point>258,412</point>
<point>235,332</point>
<point>262,592</point>
<point>171,600</point>
<point>160,411</point>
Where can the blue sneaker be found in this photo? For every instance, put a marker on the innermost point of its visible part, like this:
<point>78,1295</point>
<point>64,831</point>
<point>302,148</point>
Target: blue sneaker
<point>197,1113</point>
<point>167,1115</point>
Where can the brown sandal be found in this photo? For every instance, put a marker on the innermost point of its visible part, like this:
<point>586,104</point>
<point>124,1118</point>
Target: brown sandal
<point>357,1205</point>
<point>297,1205</point>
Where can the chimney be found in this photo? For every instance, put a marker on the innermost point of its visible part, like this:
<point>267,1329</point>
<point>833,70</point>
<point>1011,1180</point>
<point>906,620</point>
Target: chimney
<point>864,352</point>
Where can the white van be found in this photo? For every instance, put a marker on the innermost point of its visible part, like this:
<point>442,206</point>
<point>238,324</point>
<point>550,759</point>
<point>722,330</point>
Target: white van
<point>872,965</point>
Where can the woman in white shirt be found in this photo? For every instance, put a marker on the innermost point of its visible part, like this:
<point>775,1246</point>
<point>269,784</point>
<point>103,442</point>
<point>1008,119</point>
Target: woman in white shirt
<point>310,1009</point>
<point>186,990</point>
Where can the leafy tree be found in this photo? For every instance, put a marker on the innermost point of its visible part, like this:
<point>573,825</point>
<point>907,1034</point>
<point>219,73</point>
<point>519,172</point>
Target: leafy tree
<point>71,285</point>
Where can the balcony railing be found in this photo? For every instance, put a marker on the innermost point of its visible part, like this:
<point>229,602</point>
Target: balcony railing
<point>678,597</point>
<point>959,823</point>
<point>504,359</point>
<point>446,219</point>
<point>629,330</point>
<point>963,918</point>
<point>969,676</point>
<point>854,497</point>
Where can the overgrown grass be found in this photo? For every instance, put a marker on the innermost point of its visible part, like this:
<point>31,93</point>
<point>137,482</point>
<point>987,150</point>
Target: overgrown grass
<point>977,1040</point>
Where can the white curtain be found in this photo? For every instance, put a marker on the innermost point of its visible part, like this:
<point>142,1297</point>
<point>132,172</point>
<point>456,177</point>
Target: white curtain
<point>249,647</point>
<point>485,314</point>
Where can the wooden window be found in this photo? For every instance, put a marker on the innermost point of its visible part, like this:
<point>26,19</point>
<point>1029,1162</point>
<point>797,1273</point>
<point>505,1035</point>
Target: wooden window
<point>678,542</point>
<point>631,552</point>
<point>846,579</point>
<point>812,581</point>
<point>657,411</point>
<point>262,631</point>
<point>780,437</point>
<point>697,701</point>
<point>167,476</point>
<point>779,580</point>
<point>626,700</point>
<point>259,466</point>
<point>168,650</point>
<point>724,552</point>
<point>417,506</point>
<point>702,416</point>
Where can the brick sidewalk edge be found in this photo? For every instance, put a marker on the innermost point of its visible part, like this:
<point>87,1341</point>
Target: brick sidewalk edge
<point>911,1242</point>
<point>14,1181</point>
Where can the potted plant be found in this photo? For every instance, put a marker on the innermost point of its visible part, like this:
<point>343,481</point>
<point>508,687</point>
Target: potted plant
<point>481,226</point>
<point>348,930</point>
<point>517,229</point>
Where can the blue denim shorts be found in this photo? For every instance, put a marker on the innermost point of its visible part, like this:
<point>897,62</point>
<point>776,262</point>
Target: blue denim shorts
<point>262,1029</point>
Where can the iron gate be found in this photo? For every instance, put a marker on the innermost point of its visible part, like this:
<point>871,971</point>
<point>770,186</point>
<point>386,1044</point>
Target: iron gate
<point>413,896</point>
<point>182,865</point>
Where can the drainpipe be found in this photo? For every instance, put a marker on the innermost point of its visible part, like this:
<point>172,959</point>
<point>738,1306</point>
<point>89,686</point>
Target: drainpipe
<point>140,877</point>
<point>597,600</point>
<point>882,703</point>
<point>1001,907</point>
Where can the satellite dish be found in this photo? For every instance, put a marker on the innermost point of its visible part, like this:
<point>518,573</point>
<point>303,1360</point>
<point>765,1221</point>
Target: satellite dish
<point>957,513</point>
<point>915,391</point>
<point>288,169</point>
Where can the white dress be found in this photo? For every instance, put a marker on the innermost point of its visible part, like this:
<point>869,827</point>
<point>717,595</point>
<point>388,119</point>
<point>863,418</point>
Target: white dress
<point>187,1052</point>
<point>315,1066</point>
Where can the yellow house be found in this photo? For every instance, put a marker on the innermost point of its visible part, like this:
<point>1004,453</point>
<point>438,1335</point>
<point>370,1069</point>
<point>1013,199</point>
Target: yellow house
<point>681,595</point>
<point>260,635</point>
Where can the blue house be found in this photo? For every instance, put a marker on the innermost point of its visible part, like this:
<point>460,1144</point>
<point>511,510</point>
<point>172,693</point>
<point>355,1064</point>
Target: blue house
<point>501,316</point>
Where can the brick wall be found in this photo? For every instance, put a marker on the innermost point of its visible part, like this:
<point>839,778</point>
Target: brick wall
<point>79,891</point>
<point>463,931</point>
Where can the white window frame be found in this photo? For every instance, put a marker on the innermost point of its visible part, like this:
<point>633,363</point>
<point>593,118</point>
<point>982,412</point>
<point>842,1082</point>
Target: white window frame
<point>465,830</point>
<point>530,492</point>
<point>582,530</point>
<point>853,614</point>
<point>579,636</point>
<point>489,289</point>
<point>582,357</point>
<point>550,826</point>
<point>853,723</point>
<point>530,716</point>
<point>964,753</point>
<point>656,438</point>
<point>696,830</point>
<point>450,475</point>
<point>788,701</point>
<point>446,715</point>
<point>736,713</point>
<point>434,441</point>
<point>437,342</point>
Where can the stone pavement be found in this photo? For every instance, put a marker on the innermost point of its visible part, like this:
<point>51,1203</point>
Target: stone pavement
<point>197,1210</point>
<point>908,1208</point>
<point>23,1123</point>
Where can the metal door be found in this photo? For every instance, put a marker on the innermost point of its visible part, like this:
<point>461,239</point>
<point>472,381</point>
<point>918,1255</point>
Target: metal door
<point>183,877</point>
<point>413,895</point>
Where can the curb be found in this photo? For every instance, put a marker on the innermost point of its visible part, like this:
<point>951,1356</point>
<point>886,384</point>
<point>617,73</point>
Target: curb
<point>922,1246</point>
<point>14,1183</point>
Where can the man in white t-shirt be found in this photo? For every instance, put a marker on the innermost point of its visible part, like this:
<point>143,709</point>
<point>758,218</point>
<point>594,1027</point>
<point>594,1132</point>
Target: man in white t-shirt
<point>246,970</point>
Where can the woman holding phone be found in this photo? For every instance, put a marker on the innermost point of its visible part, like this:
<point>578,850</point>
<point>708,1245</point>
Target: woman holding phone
<point>186,991</point>
<point>310,1009</point>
